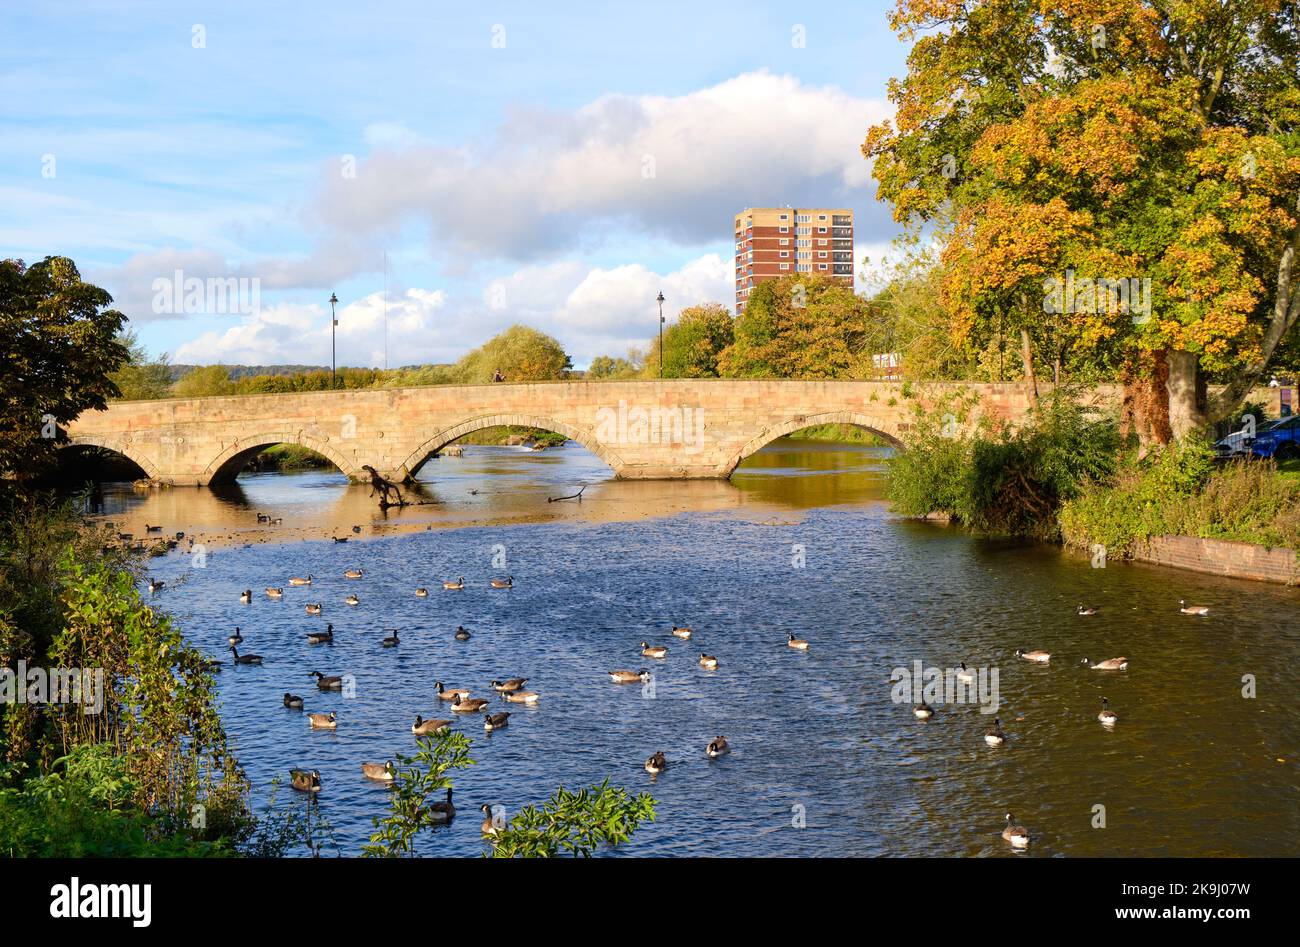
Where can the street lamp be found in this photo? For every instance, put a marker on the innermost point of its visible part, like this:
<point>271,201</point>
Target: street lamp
<point>333,357</point>
<point>661,334</point>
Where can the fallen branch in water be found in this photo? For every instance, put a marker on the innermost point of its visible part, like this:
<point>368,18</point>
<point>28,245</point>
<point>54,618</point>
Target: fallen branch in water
<point>576,496</point>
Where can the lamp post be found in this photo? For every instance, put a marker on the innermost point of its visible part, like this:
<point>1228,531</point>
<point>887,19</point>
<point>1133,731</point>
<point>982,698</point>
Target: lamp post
<point>333,349</point>
<point>661,333</point>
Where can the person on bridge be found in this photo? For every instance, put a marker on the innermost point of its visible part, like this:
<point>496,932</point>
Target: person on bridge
<point>497,376</point>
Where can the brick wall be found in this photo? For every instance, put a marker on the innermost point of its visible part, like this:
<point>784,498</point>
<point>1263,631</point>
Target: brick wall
<point>1237,560</point>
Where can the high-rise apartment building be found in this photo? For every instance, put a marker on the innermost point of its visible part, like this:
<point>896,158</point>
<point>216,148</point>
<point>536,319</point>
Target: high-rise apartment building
<point>779,241</point>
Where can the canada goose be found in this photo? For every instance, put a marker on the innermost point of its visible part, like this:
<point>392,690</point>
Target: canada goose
<point>994,736</point>
<point>797,643</point>
<point>1088,610</point>
<point>628,677</point>
<point>321,637</point>
<point>334,683</point>
<point>245,658</point>
<point>305,780</point>
<point>717,746</point>
<point>353,574</point>
<point>462,634</point>
<point>682,632</point>
<point>391,641</point>
<point>380,771</point>
<point>441,811</point>
<point>423,727</point>
<point>1107,716</point>
<point>708,661</point>
<point>1017,835</point>
<point>155,586</point>
<point>211,666</point>
<point>152,529</point>
<point>458,584</point>
<point>263,518</point>
<point>327,721</point>
<point>923,711</point>
<point>450,693</point>
<point>506,583</point>
<point>522,697</point>
<point>236,638</point>
<point>313,609</point>
<point>489,826</point>
<point>965,674</point>
<point>1192,609</point>
<point>1110,664</point>
<point>356,529</point>
<point>658,651</point>
<point>292,701</point>
<point>656,764</point>
<point>496,721</point>
<point>298,580</point>
<point>339,539</point>
<point>513,684</point>
<point>467,705</point>
<point>1042,657</point>
<point>274,593</point>
<point>421,593</point>
<point>126,537</point>
<point>276,521</point>
<point>352,600</point>
<point>246,597</point>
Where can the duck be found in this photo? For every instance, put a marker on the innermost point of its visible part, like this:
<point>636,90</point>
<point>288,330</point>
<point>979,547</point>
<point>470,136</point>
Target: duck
<point>522,697</point>
<point>245,658</point>
<point>450,693</point>
<point>658,651</point>
<point>441,811</point>
<point>353,574</point>
<point>313,608</point>
<point>236,638</point>
<point>383,772</point>
<point>246,597</point>
<point>964,673</point>
<point>1192,609</point>
<point>506,583</point>
<point>1087,610</point>
<point>274,593</point>
<point>462,634</point>
<point>467,705</point>
<point>513,684</point>
<point>152,529</point>
<point>489,826</point>
<point>298,580</point>
<point>352,600</point>
<point>321,721</point>
<point>717,746</point>
<point>656,764</point>
<point>391,641</point>
<point>423,727</point>
<point>1042,657</point>
<point>356,529</point>
<point>321,637</point>
<point>496,721</point>
<point>277,520</point>
<point>155,586</point>
<point>628,677</point>
<point>923,711</point>
<point>421,593</point>
<point>263,518</point>
<point>1107,716</point>
<point>292,701</point>
<point>994,736</point>
<point>339,539</point>
<point>683,633</point>
<point>797,643</point>
<point>1017,835</point>
<point>305,780</point>
<point>328,683</point>
<point>708,661</point>
<point>211,666</point>
<point>458,584</point>
<point>1110,664</point>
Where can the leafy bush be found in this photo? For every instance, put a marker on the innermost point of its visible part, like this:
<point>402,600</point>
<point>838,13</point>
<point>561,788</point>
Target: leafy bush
<point>573,823</point>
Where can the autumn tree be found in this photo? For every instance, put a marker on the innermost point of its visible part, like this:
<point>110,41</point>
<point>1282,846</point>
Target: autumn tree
<point>520,353</point>
<point>693,343</point>
<point>143,377</point>
<point>1128,147</point>
<point>206,381</point>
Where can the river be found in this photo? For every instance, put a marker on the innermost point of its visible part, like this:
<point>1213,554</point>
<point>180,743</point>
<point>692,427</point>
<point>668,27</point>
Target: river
<point>824,762</point>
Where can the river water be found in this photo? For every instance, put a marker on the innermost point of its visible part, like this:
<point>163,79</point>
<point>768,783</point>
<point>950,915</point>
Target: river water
<point>824,762</point>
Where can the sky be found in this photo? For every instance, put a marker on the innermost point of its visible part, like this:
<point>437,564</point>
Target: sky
<point>487,164</point>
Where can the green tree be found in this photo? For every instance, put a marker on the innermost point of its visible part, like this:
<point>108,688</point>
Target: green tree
<point>520,353</point>
<point>573,823</point>
<point>142,378</point>
<point>58,347</point>
<point>694,342</point>
<point>608,368</point>
<point>204,382</point>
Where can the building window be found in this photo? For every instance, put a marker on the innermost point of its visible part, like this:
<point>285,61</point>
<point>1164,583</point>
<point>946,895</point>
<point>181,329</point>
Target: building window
<point>785,230</point>
<point>784,254</point>
<point>785,266</point>
<point>821,254</point>
<point>823,265</point>
<point>785,243</point>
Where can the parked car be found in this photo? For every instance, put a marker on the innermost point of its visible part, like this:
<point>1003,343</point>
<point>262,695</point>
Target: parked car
<point>1280,439</point>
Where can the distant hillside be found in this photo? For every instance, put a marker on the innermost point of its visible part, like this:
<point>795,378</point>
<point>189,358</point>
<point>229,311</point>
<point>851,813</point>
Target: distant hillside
<point>246,371</point>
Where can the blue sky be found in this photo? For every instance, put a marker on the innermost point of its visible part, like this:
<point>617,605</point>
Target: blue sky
<point>514,162</point>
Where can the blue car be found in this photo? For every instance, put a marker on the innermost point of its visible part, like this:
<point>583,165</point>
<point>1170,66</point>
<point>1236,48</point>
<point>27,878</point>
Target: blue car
<point>1280,440</point>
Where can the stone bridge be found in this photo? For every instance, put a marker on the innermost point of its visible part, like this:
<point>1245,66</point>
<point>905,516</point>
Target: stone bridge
<point>659,429</point>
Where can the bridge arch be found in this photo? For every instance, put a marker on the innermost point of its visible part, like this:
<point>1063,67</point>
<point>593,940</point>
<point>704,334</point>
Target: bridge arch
<point>117,445</point>
<point>421,454</point>
<point>883,427</point>
<point>227,465</point>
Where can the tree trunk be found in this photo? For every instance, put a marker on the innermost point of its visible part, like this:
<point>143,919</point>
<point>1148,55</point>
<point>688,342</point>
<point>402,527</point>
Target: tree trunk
<point>1186,407</point>
<point>1144,411</point>
<point>1027,355</point>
